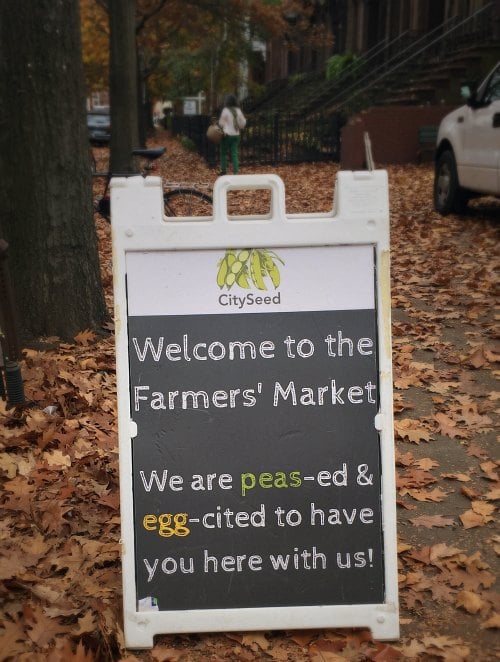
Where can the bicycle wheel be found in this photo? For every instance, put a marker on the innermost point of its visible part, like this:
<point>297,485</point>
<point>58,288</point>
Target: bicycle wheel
<point>187,202</point>
<point>102,206</point>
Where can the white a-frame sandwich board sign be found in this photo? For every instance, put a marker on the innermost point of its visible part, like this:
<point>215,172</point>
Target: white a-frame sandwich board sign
<point>255,412</point>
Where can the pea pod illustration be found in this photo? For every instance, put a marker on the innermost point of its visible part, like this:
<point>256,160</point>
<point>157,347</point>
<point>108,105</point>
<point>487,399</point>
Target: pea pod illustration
<point>236,267</point>
<point>226,268</point>
<point>230,257</point>
<point>243,255</point>
<point>242,279</point>
<point>222,272</point>
<point>274,256</point>
<point>273,271</point>
<point>247,267</point>
<point>256,270</point>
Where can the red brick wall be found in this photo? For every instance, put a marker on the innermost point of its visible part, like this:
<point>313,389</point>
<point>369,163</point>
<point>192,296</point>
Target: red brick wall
<point>393,132</point>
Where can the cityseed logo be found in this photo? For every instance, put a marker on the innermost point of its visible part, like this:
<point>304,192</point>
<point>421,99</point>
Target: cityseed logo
<point>243,267</point>
<point>246,269</point>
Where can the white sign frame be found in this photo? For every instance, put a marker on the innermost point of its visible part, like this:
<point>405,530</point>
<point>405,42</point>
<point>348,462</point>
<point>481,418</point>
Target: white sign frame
<point>359,216</point>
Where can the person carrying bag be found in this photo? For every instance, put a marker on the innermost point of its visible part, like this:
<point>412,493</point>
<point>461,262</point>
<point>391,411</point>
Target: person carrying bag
<point>231,121</point>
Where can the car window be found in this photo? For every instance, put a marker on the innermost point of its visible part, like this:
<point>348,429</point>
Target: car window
<point>492,92</point>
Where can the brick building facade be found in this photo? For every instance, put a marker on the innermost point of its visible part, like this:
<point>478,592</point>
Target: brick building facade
<point>356,26</point>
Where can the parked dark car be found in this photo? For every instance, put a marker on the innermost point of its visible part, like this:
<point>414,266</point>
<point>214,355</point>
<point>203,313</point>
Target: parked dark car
<point>99,126</point>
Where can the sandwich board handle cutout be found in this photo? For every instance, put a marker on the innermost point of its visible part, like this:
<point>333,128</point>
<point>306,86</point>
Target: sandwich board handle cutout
<point>249,182</point>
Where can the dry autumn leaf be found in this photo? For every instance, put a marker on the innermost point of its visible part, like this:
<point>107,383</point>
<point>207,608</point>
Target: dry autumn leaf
<point>483,508</point>
<point>442,551</point>
<point>255,641</point>
<point>86,624</point>
<point>412,430</point>
<point>42,629</point>
<point>431,521</point>
<point>85,337</point>
<point>448,649</point>
<point>476,358</point>
<point>470,601</point>
<point>470,493</point>
<point>168,655</point>
<point>479,515</point>
<point>426,463</point>
<point>57,459</point>
<point>470,519</point>
<point>435,495</point>
<point>493,495</point>
<point>463,478</point>
<point>12,637</point>
<point>492,623</point>
<point>448,427</point>
<point>491,470</point>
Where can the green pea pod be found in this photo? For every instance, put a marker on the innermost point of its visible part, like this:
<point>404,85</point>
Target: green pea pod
<point>242,279</point>
<point>230,279</point>
<point>236,267</point>
<point>256,270</point>
<point>243,255</point>
<point>274,256</point>
<point>273,272</point>
<point>222,273</point>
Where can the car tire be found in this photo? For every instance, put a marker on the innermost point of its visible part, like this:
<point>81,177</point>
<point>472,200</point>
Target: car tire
<point>449,196</point>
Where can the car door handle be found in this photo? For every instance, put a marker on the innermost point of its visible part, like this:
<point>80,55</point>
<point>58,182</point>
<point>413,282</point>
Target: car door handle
<point>496,120</point>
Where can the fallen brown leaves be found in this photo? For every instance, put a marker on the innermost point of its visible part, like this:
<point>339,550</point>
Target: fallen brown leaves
<point>60,573</point>
<point>59,537</point>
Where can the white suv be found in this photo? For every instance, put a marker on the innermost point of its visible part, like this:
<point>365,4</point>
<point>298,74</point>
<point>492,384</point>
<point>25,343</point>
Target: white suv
<point>468,149</point>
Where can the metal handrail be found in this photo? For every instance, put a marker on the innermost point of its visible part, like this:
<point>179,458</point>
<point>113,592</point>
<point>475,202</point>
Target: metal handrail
<point>372,53</point>
<point>345,74</point>
<point>407,54</point>
<point>387,62</point>
<point>378,50</point>
<point>376,53</point>
<point>420,50</point>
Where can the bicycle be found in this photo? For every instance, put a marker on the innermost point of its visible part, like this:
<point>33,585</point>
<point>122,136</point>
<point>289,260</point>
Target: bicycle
<point>180,200</point>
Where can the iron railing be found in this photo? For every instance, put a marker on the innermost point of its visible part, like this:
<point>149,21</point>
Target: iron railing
<point>271,138</point>
<point>377,56</point>
<point>446,39</point>
<point>390,64</point>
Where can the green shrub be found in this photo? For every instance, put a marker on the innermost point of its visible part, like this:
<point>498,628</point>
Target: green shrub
<point>187,143</point>
<point>336,65</point>
<point>296,79</point>
<point>255,90</point>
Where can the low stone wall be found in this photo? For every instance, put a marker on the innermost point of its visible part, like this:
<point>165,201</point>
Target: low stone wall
<point>393,132</point>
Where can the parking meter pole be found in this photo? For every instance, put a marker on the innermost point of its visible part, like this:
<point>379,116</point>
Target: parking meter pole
<point>13,386</point>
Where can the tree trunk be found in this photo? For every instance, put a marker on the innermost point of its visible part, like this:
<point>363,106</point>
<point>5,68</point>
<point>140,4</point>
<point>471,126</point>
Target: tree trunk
<point>46,212</point>
<point>123,85</point>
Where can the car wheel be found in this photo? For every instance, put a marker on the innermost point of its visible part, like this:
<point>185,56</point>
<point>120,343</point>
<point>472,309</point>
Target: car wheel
<point>449,196</point>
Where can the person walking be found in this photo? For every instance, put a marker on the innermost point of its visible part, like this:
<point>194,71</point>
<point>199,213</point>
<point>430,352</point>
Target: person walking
<point>232,121</point>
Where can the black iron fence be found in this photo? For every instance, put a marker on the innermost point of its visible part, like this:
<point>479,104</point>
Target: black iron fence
<point>270,138</point>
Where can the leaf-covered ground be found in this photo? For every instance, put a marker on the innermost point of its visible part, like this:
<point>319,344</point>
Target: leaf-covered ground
<point>60,590</point>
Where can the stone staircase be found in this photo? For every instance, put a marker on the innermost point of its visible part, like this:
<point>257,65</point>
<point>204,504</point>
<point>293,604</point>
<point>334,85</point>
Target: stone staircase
<point>425,70</point>
<point>439,81</point>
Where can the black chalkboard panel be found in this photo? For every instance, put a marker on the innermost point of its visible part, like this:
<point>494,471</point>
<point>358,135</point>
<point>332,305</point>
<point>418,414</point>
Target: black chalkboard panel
<point>256,476</point>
